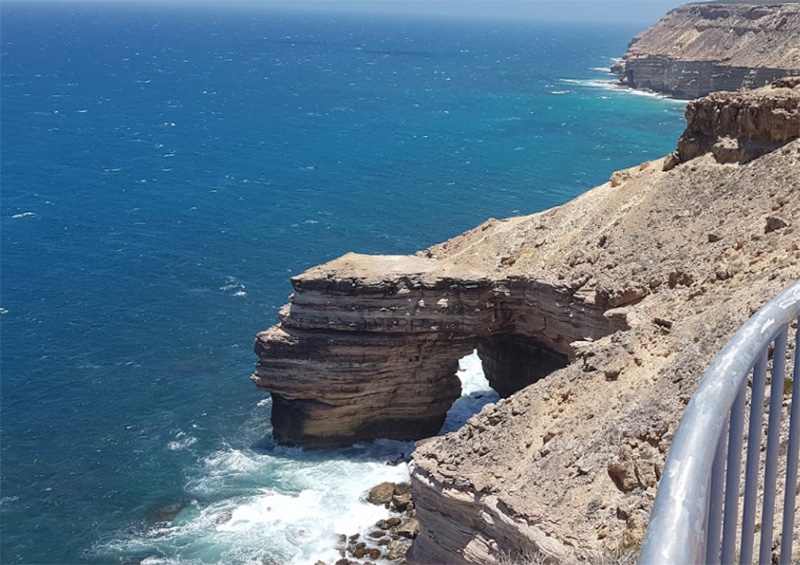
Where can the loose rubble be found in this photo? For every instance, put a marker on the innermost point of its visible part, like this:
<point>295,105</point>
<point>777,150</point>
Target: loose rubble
<point>389,540</point>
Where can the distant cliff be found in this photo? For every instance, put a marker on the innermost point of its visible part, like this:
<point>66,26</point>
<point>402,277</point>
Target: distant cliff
<point>701,48</point>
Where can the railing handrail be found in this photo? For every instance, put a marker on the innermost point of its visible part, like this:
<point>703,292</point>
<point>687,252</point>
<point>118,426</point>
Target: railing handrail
<point>675,533</point>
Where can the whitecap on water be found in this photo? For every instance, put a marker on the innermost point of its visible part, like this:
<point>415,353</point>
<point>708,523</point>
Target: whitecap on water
<point>228,462</point>
<point>233,287</point>
<point>182,441</point>
<point>24,215</point>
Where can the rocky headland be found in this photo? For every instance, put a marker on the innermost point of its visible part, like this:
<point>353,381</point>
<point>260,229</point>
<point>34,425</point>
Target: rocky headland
<point>700,48</point>
<point>594,320</point>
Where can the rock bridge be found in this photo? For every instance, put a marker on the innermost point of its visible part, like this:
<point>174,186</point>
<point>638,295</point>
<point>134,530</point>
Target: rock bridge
<point>369,346</point>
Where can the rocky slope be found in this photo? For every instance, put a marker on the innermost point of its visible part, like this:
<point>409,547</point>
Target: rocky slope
<point>611,306</point>
<point>700,48</point>
<point>568,467</point>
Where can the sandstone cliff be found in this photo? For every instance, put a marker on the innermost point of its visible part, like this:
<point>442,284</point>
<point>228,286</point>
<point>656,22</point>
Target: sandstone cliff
<point>595,318</point>
<point>700,48</point>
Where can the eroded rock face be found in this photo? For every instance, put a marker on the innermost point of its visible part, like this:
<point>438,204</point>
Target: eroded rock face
<point>369,346</point>
<point>334,388</point>
<point>737,127</point>
<point>701,48</point>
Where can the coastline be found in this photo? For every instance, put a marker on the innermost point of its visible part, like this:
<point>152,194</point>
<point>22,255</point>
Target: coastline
<point>166,203</point>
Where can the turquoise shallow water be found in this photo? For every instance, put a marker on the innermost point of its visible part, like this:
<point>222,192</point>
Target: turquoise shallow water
<point>165,171</point>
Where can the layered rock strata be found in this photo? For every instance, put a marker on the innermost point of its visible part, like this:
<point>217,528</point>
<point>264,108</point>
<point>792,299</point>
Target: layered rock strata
<point>705,47</point>
<point>369,346</point>
<point>566,469</point>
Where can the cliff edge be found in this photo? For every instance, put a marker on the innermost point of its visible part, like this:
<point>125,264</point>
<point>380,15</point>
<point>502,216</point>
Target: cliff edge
<point>701,48</point>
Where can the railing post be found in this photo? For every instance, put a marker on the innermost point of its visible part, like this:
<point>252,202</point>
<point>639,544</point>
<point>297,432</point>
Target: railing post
<point>714,525</point>
<point>733,470</point>
<point>773,442</point>
<point>753,459</point>
<point>793,458</point>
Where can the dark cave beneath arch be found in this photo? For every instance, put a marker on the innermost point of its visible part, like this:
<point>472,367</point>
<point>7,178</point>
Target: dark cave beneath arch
<point>513,361</point>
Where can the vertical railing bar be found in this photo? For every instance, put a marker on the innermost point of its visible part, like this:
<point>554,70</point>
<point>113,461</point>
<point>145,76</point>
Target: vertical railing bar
<point>714,524</point>
<point>773,443</point>
<point>733,470</point>
<point>753,459</point>
<point>792,459</point>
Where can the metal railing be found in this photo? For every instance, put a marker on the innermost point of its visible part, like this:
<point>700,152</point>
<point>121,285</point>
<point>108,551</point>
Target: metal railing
<point>695,517</point>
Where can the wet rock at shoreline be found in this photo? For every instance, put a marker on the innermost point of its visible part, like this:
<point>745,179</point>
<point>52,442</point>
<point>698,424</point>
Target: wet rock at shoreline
<point>390,538</point>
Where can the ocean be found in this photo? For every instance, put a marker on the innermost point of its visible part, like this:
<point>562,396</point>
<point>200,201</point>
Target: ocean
<point>164,171</point>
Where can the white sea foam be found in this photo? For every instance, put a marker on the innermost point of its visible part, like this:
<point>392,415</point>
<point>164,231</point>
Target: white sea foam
<point>24,215</point>
<point>475,393</point>
<point>229,462</point>
<point>281,504</point>
<point>312,498</point>
<point>591,82</point>
<point>615,86</point>
<point>470,372</point>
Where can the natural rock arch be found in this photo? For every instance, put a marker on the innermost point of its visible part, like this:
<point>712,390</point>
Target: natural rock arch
<point>368,346</point>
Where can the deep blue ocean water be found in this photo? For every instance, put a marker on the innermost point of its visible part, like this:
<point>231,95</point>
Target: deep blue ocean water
<point>165,170</point>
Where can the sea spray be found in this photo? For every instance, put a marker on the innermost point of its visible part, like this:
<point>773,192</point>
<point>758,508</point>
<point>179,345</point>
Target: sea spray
<point>313,497</point>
